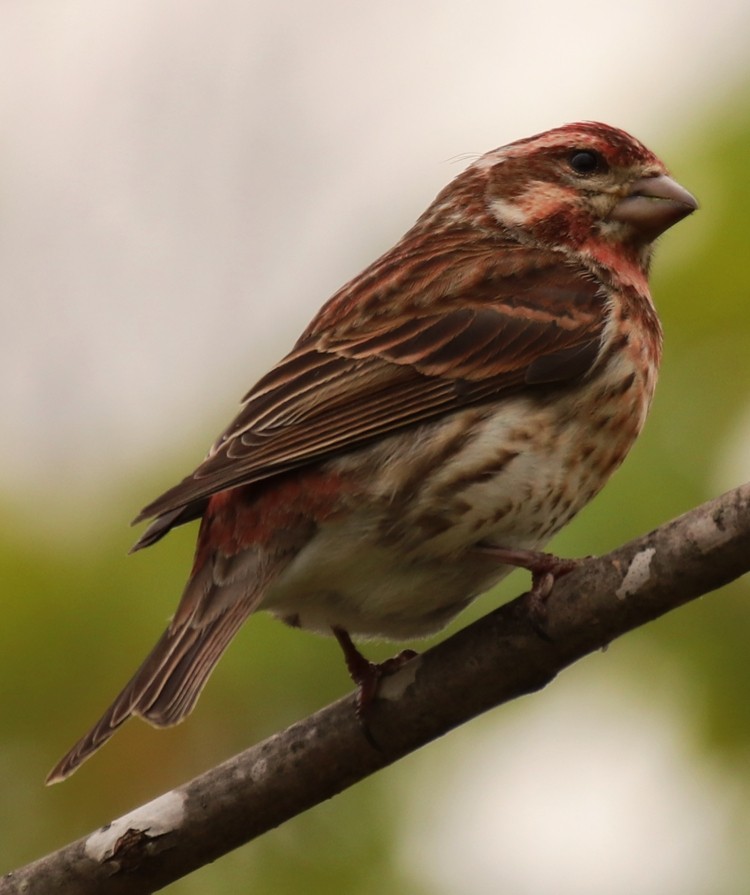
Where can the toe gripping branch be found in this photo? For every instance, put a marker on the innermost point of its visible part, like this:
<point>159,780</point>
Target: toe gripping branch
<point>545,569</point>
<point>365,674</point>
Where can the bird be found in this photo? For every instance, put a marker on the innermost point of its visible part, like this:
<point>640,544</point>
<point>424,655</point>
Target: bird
<point>445,413</point>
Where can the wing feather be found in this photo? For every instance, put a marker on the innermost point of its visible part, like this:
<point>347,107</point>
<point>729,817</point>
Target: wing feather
<point>374,374</point>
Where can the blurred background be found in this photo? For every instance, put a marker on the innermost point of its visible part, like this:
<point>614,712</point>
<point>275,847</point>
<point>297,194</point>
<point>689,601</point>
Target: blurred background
<point>181,186</point>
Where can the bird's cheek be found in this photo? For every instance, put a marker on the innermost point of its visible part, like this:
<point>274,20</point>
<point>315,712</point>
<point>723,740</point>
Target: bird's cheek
<point>561,229</point>
<point>537,203</point>
<point>509,213</point>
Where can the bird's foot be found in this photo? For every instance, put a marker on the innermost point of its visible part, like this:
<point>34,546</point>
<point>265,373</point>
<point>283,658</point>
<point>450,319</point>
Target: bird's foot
<point>367,675</point>
<point>545,569</point>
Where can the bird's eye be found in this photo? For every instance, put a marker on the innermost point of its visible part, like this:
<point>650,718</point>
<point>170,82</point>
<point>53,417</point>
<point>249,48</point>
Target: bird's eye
<point>586,161</point>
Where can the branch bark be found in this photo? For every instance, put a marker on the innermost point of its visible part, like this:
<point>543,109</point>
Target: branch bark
<point>498,658</point>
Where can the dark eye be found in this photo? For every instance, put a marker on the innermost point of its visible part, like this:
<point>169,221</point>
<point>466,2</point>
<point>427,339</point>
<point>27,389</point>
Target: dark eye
<point>586,161</point>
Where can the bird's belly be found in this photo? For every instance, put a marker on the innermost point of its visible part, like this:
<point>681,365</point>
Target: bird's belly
<point>371,590</point>
<point>405,561</point>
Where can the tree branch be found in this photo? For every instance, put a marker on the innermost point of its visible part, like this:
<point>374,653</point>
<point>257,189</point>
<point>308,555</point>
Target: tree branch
<point>493,660</point>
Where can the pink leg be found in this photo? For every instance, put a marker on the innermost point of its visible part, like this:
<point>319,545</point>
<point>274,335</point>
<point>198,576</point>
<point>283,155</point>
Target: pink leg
<point>545,569</point>
<point>365,674</point>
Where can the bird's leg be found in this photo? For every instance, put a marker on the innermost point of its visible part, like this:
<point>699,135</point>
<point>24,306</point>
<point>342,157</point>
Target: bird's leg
<point>545,569</point>
<point>365,674</point>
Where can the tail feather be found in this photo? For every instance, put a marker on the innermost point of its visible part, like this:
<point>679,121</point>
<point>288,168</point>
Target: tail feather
<point>166,686</point>
<point>171,697</point>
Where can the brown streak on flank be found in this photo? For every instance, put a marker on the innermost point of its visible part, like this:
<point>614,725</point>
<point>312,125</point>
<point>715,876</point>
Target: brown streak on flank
<point>502,512</point>
<point>555,501</point>
<point>601,422</point>
<point>476,476</point>
<point>624,386</point>
<point>565,506</point>
<point>462,507</point>
<point>613,349</point>
<point>520,435</point>
<point>432,525</point>
<point>607,392</point>
<point>421,466</point>
<point>478,524</point>
<point>619,344</point>
<point>583,456</point>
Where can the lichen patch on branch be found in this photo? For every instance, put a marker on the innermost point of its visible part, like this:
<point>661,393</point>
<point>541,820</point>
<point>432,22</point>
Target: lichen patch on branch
<point>161,816</point>
<point>710,530</point>
<point>639,572</point>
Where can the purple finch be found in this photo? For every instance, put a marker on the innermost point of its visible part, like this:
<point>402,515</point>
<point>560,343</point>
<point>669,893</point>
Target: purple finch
<point>445,413</point>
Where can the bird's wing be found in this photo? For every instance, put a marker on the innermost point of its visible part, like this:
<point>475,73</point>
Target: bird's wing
<point>367,377</point>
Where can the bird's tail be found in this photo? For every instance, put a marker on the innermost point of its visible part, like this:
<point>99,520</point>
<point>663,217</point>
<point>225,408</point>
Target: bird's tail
<point>166,686</point>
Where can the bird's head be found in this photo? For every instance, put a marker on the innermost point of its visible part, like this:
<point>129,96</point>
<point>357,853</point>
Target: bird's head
<point>588,189</point>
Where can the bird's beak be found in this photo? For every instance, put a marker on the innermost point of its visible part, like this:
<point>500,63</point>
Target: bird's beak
<point>653,204</point>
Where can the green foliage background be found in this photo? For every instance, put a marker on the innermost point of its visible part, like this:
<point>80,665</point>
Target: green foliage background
<point>79,614</point>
